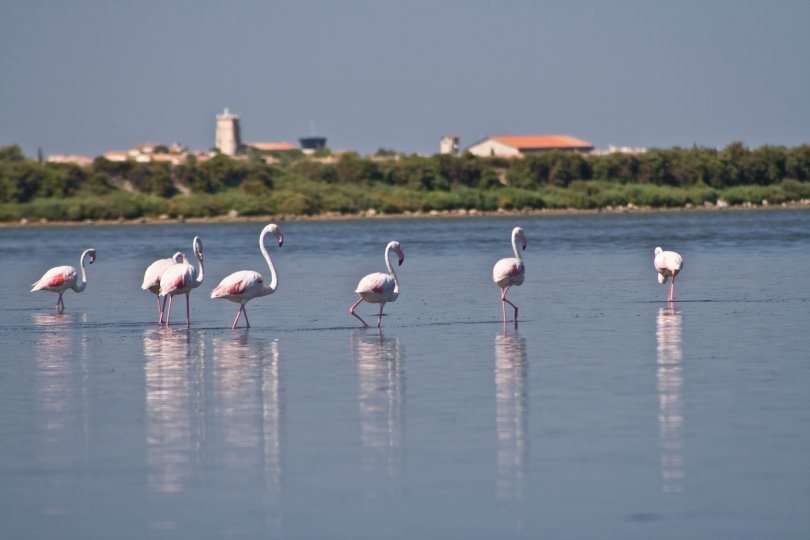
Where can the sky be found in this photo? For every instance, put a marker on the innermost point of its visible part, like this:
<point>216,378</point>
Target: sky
<point>84,77</point>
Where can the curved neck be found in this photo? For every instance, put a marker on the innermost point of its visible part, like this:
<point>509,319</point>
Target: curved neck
<point>391,269</point>
<point>273,276</point>
<point>80,288</point>
<point>200,272</point>
<point>515,247</point>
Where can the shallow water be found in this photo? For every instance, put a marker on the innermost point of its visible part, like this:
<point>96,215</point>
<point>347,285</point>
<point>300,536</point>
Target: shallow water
<point>605,413</point>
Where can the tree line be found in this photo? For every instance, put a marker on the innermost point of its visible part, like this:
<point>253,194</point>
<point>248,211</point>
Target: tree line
<point>397,182</point>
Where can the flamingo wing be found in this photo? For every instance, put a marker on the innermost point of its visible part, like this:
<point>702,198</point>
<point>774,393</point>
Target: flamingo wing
<point>377,283</point>
<point>237,284</point>
<point>59,277</point>
<point>509,270</point>
<point>151,278</point>
<point>669,262</point>
<point>177,279</point>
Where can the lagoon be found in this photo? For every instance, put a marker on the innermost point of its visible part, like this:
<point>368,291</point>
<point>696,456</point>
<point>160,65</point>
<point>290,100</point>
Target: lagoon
<point>604,413</point>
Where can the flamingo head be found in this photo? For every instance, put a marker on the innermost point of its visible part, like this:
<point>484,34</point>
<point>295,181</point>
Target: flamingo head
<point>518,232</point>
<point>91,255</point>
<point>275,231</point>
<point>198,247</point>
<point>658,250</point>
<point>396,248</point>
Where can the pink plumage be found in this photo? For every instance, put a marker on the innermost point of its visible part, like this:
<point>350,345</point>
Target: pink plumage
<point>245,285</point>
<point>510,271</point>
<point>61,278</point>
<point>181,278</point>
<point>668,264</point>
<point>379,288</point>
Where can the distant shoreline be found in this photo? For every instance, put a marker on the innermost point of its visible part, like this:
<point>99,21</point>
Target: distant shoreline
<point>434,214</point>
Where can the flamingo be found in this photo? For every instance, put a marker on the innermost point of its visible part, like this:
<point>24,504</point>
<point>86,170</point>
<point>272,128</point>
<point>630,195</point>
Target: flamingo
<point>245,285</point>
<point>379,288</point>
<point>668,264</point>
<point>61,278</point>
<point>510,271</point>
<point>180,278</point>
<point>151,278</point>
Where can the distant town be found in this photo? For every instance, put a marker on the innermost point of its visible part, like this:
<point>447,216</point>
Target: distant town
<point>228,142</point>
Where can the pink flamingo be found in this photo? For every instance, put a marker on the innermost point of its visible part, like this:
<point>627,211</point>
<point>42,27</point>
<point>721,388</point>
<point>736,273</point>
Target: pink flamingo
<point>668,264</point>
<point>181,278</point>
<point>151,278</point>
<point>61,278</point>
<point>245,285</point>
<point>510,271</point>
<point>379,288</point>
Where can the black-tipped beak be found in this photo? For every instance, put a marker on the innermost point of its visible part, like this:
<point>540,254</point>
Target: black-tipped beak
<point>92,259</point>
<point>280,240</point>
<point>401,259</point>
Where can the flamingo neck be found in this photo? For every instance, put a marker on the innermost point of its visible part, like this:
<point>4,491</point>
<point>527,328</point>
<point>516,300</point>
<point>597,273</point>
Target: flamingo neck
<point>391,269</point>
<point>273,276</point>
<point>515,247</point>
<point>200,274</point>
<point>80,288</point>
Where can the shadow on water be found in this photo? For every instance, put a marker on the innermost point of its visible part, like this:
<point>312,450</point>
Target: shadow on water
<point>511,413</point>
<point>380,399</point>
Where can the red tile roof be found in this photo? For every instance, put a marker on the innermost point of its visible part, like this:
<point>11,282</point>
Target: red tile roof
<point>522,142</point>
<point>273,146</point>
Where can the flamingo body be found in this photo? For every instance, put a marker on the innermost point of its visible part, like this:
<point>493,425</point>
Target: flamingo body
<point>510,271</point>
<point>245,285</point>
<point>151,278</point>
<point>61,278</point>
<point>181,278</point>
<point>668,264</point>
<point>379,288</point>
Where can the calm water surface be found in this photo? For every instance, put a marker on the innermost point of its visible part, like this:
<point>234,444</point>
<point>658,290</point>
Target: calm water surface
<point>604,414</point>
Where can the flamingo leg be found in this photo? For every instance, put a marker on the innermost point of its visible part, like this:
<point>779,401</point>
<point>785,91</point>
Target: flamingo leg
<point>238,314</point>
<point>351,310</point>
<point>60,303</point>
<point>169,313</point>
<point>379,316</point>
<point>162,310</point>
<point>671,289</point>
<point>188,312</point>
<point>247,322</point>
<point>504,301</point>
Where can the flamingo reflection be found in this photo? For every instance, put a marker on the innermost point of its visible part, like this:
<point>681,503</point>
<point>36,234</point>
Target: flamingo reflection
<point>669,375</point>
<point>61,388</point>
<point>380,395</point>
<point>173,383</point>
<point>249,407</point>
<point>511,413</point>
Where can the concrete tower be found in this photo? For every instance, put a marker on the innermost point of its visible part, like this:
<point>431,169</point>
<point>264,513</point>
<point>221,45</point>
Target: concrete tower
<point>228,136</point>
<point>449,145</point>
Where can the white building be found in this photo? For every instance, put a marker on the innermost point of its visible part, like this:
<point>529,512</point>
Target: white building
<point>228,138</point>
<point>520,145</point>
<point>449,145</point>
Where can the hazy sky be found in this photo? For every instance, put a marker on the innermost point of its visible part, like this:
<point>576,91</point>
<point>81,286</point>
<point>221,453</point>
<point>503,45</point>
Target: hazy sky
<point>90,76</point>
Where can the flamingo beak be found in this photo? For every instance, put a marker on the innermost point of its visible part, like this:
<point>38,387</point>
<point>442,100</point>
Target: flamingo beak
<point>92,258</point>
<point>401,257</point>
<point>280,240</point>
<point>523,241</point>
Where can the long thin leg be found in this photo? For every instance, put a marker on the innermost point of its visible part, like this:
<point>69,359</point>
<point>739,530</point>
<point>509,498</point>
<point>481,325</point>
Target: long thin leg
<point>379,316</point>
<point>671,289</point>
<point>247,322</point>
<point>351,310</point>
<point>188,313</point>
<point>60,303</point>
<point>236,320</point>
<point>169,313</point>
<point>503,299</point>
<point>162,310</point>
